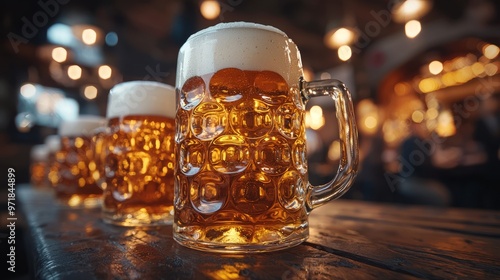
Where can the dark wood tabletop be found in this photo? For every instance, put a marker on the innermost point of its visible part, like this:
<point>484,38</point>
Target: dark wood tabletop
<point>348,240</point>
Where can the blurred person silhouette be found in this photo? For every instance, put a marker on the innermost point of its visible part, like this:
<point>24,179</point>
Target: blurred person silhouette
<point>370,181</point>
<point>420,160</point>
<point>487,134</point>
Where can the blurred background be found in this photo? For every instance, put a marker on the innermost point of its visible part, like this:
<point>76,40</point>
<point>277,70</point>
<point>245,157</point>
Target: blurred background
<point>424,77</point>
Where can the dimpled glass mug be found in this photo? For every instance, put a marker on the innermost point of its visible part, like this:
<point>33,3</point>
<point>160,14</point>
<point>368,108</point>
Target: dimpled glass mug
<point>241,180</point>
<point>139,154</point>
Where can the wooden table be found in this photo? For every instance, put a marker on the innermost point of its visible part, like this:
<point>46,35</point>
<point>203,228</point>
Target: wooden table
<point>348,240</point>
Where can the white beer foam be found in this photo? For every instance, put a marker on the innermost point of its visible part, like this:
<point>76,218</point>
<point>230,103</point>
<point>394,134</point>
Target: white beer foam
<point>53,143</point>
<point>39,152</point>
<point>141,98</point>
<point>242,45</point>
<point>82,126</point>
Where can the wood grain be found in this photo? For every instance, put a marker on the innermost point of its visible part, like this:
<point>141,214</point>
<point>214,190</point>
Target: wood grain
<point>348,240</point>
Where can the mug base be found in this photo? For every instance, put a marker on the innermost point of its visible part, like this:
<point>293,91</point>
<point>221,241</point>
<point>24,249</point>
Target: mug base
<point>279,241</point>
<point>137,219</point>
<point>80,201</point>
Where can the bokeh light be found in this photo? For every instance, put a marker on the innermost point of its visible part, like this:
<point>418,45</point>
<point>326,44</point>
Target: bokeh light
<point>59,54</point>
<point>89,36</point>
<point>74,72</point>
<point>210,9</point>
<point>105,72</point>
<point>412,28</point>
<point>344,53</point>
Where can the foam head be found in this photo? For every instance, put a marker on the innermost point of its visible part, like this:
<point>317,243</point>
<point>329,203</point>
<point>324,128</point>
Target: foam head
<point>141,98</point>
<point>242,45</point>
<point>39,152</point>
<point>81,126</point>
<point>53,143</point>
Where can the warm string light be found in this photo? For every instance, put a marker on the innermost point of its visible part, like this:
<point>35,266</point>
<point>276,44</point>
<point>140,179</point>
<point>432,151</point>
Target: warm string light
<point>89,36</point>
<point>341,39</point>
<point>412,28</point>
<point>90,92</point>
<point>368,116</point>
<point>28,90</point>
<point>104,72</point>
<point>344,53</point>
<point>460,70</point>
<point>74,72</point>
<point>435,67</point>
<point>314,118</point>
<point>210,9</point>
<point>59,54</point>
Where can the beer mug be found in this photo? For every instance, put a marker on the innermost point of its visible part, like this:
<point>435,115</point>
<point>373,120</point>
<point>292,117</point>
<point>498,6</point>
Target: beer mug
<point>39,165</point>
<point>53,143</point>
<point>99,149</point>
<point>76,186</point>
<point>241,181</point>
<point>139,161</point>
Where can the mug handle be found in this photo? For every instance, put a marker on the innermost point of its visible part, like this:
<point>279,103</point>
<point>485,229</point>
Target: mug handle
<point>348,132</point>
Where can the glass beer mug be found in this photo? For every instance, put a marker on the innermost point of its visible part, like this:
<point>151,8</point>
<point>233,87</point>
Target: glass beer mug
<point>76,185</point>
<point>241,181</point>
<point>139,154</point>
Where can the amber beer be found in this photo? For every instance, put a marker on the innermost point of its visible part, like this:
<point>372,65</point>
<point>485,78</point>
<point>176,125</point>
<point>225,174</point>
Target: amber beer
<point>75,185</point>
<point>39,165</point>
<point>241,181</point>
<point>242,167</point>
<point>139,161</point>
<point>53,143</point>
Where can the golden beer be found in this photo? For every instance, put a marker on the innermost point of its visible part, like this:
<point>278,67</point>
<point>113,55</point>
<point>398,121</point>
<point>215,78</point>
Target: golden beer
<point>242,167</point>
<point>241,180</point>
<point>53,143</point>
<point>39,166</point>
<point>99,147</point>
<point>140,157</point>
<point>76,186</point>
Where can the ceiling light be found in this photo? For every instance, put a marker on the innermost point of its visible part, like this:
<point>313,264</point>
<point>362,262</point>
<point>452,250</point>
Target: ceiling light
<point>336,38</point>
<point>104,72</point>
<point>210,9</point>
<point>435,67</point>
<point>89,36</point>
<point>410,10</point>
<point>74,72</point>
<point>412,28</point>
<point>344,53</point>
<point>90,92</point>
<point>59,54</point>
